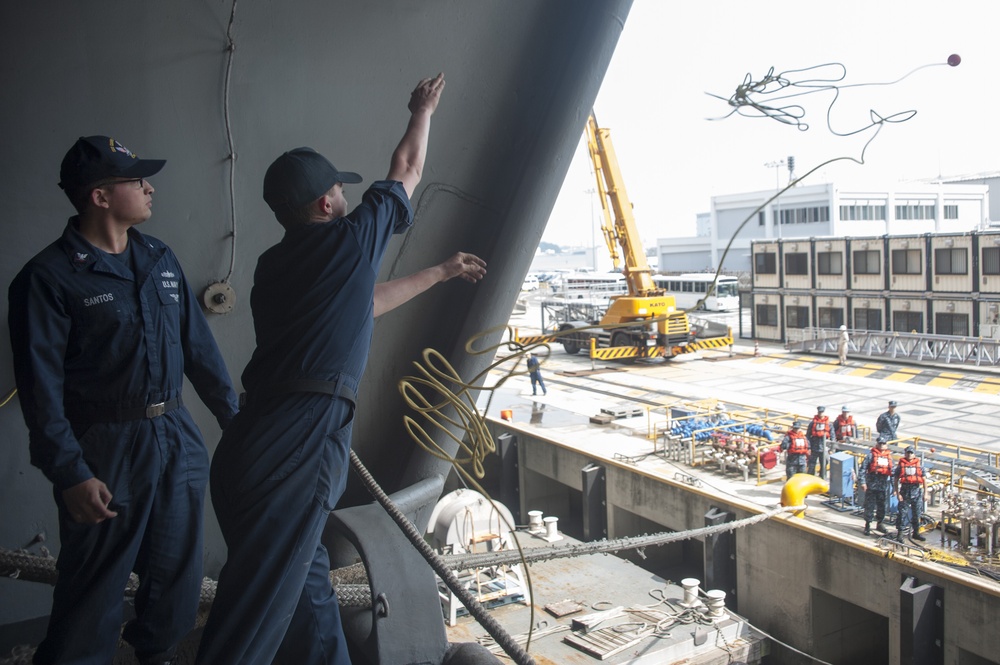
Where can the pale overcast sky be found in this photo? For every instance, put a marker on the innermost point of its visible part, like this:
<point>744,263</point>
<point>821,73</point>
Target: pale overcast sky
<point>670,54</point>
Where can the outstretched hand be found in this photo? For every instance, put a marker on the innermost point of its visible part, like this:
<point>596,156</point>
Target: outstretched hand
<point>426,95</point>
<point>469,267</point>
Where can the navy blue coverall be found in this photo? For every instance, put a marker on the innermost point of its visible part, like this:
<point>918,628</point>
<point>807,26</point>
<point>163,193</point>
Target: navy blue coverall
<point>282,465</point>
<point>887,424</point>
<point>535,372</point>
<point>94,345</point>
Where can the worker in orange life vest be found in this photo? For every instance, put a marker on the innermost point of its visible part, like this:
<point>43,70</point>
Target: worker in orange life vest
<point>796,449</point>
<point>819,432</point>
<point>876,472</point>
<point>911,491</point>
<point>844,427</point>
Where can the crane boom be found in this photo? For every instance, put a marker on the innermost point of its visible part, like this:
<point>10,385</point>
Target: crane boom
<point>621,230</point>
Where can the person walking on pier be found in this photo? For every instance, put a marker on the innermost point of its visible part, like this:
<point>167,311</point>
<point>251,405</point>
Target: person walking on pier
<point>796,449</point>
<point>842,343</point>
<point>888,423</point>
<point>535,372</point>
<point>911,491</point>
<point>819,432</point>
<point>876,471</point>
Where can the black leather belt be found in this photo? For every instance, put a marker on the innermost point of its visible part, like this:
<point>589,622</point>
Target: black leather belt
<point>119,414</point>
<point>331,388</point>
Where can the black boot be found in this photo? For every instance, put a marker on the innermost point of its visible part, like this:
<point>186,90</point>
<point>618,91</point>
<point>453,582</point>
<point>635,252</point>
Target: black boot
<point>880,527</point>
<point>868,528</point>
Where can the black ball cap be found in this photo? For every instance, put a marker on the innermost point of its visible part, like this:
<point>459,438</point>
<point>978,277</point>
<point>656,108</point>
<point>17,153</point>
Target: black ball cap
<point>301,176</point>
<point>96,158</point>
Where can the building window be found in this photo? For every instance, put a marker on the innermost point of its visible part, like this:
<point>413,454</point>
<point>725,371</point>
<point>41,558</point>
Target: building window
<point>797,317</point>
<point>829,317</point>
<point>868,319</point>
<point>951,212</point>
<point>906,262</point>
<point>905,322</point>
<point>867,262</point>
<point>915,211</point>
<point>830,263</point>
<point>951,324</point>
<point>767,315</point>
<point>803,215</point>
<point>862,212</point>
<point>991,261</point>
<point>797,263</point>
<point>951,261</point>
<point>765,263</point>
<point>760,218</point>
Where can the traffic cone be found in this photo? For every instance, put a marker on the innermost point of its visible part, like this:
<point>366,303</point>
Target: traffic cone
<point>756,349</point>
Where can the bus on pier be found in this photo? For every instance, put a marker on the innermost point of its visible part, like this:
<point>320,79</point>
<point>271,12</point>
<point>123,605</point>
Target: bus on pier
<point>690,291</point>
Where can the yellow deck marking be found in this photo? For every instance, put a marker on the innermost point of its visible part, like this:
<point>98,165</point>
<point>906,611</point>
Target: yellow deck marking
<point>942,382</point>
<point>862,372</point>
<point>988,387</point>
<point>902,377</point>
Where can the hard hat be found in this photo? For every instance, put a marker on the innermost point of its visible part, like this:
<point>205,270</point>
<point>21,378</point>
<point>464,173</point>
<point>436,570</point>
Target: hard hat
<point>909,449</point>
<point>892,403</point>
<point>843,327</point>
<point>821,409</point>
<point>796,424</point>
<point>845,409</point>
<point>882,438</point>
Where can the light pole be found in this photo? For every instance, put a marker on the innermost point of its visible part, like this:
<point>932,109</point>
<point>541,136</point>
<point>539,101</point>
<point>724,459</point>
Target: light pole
<point>777,166</point>
<point>593,222</point>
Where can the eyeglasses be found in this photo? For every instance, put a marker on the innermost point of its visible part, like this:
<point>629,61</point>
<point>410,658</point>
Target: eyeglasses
<point>141,181</point>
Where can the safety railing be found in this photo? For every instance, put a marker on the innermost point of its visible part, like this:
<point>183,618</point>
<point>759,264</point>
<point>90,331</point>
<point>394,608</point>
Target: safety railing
<point>915,347</point>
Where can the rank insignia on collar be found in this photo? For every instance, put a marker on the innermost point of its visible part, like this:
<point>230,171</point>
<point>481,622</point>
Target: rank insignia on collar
<point>80,257</point>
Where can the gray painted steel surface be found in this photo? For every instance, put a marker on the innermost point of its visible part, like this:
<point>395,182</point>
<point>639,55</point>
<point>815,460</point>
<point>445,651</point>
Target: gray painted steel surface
<point>521,80</point>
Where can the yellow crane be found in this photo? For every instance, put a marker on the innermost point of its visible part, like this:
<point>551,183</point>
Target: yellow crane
<point>643,323</point>
<point>644,300</point>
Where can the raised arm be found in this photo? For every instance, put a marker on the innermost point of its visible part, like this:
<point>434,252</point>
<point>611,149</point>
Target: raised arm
<point>407,163</point>
<point>390,295</point>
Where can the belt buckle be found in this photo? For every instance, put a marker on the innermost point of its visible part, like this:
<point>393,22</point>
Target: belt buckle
<point>154,410</point>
